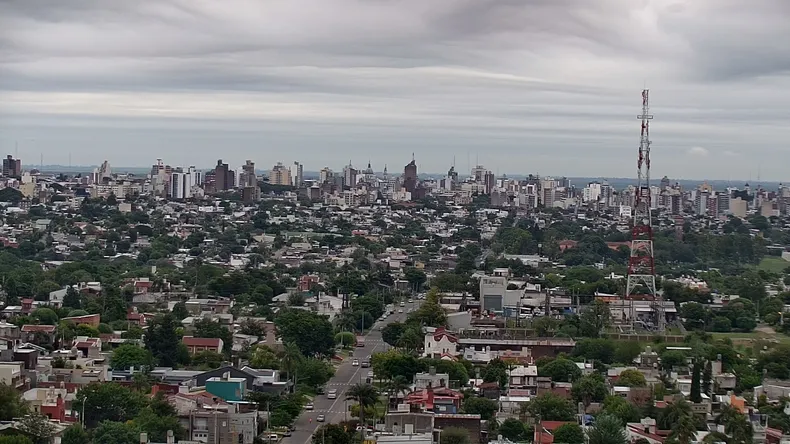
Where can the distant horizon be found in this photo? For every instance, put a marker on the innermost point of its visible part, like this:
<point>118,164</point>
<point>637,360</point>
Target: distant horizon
<point>654,179</point>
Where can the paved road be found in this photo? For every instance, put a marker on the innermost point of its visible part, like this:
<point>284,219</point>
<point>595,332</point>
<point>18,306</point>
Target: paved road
<point>346,376</point>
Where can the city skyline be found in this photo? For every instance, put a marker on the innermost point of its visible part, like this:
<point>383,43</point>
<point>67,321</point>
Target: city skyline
<point>536,88</point>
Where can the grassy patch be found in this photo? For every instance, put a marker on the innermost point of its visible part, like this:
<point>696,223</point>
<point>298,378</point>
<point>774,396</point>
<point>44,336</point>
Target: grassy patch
<point>773,264</point>
<point>752,336</point>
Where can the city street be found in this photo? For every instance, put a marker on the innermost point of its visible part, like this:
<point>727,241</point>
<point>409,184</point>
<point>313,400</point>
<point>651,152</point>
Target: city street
<point>346,376</point>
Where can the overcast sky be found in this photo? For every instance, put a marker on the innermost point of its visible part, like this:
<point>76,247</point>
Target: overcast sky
<point>531,86</point>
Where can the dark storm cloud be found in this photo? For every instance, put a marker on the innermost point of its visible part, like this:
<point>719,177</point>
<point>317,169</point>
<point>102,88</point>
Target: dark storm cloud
<point>322,80</point>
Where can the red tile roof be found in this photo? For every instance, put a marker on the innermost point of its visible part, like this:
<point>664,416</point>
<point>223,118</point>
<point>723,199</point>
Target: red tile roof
<point>192,341</point>
<point>29,328</point>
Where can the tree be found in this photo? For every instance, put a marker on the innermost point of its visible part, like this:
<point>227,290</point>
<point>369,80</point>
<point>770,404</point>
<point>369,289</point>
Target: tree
<point>391,333</point>
<point>632,378</point>
<point>72,298</point>
<point>696,389</point>
<point>430,313</point>
<point>397,385</point>
<point>707,377</point>
<point>162,340</point>
<point>109,402</point>
<point>206,328</point>
<point>607,430</point>
<point>595,319</point>
<point>673,413</point>
<point>416,278</point>
<point>130,355</point>
<point>180,311</point>
<point>484,407</point>
<point>110,432</point>
<point>626,352</point>
<point>17,439</point>
<point>514,430</point>
<point>454,435</point>
<point>345,339</point>
<point>589,389</point>
<point>684,430</point>
<point>496,371</point>
<point>740,429</point>
<point>311,332</point>
<point>599,349</point>
<point>333,434</point>
<point>570,433</point>
<point>314,372</point>
<point>290,359</point>
<point>75,434</point>
<point>365,395</point>
<point>11,403</point>
<point>208,359</point>
<point>159,417</point>
<point>46,316</point>
<point>561,370</point>
<point>263,357</point>
<point>620,408</point>
<point>671,359</point>
<point>550,407</point>
<point>38,427</point>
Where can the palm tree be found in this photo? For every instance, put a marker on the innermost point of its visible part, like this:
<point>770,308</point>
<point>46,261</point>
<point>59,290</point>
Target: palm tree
<point>396,386</point>
<point>290,360</point>
<point>671,415</point>
<point>366,396</point>
<point>607,430</point>
<point>684,430</point>
<point>345,322</point>
<point>739,428</point>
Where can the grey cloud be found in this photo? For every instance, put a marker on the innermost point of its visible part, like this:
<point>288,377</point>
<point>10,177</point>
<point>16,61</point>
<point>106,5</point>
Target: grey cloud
<point>538,85</point>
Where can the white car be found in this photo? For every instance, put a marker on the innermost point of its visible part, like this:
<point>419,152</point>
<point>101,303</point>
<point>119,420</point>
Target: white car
<point>355,362</point>
<point>309,406</point>
<point>400,310</point>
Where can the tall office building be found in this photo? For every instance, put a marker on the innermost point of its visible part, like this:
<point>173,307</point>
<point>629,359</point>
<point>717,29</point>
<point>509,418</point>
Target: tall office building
<point>349,176</point>
<point>221,175</point>
<point>12,167</point>
<point>325,175</point>
<point>280,175</point>
<point>410,176</point>
<point>196,177</point>
<point>180,186</point>
<point>297,174</point>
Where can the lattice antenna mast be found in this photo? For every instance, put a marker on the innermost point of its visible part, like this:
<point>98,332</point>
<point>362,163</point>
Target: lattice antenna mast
<point>641,264</point>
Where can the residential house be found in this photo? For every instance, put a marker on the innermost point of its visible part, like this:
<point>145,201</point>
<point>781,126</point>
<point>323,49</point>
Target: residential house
<point>198,345</point>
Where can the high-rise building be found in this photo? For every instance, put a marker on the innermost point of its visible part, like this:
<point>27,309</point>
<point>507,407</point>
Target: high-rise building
<point>280,175</point>
<point>410,176</point>
<point>325,175</point>
<point>221,176</point>
<point>196,177</point>
<point>12,167</point>
<point>297,175</point>
<point>349,176</point>
<point>247,178</point>
<point>250,192</point>
<point>180,186</point>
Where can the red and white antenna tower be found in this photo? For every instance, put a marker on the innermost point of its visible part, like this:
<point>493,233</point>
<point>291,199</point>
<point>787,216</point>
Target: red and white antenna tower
<point>641,264</point>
